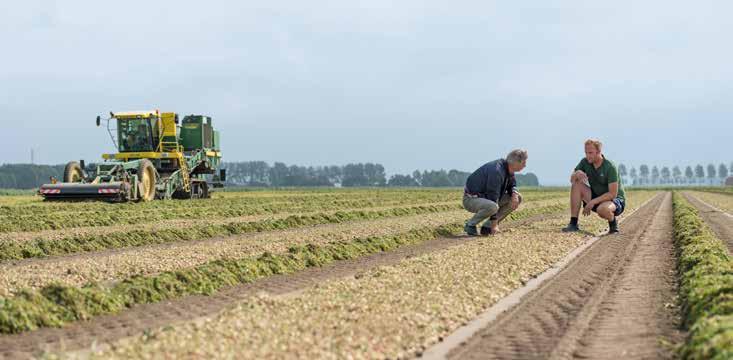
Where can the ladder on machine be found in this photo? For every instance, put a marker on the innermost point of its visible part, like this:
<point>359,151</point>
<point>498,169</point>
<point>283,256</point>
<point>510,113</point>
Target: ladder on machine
<point>185,176</point>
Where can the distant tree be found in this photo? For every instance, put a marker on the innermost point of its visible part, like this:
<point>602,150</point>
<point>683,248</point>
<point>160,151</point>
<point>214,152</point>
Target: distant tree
<point>666,175</point>
<point>417,176</point>
<point>722,171</point>
<point>632,174</point>
<point>644,173</point>
<point>253,172</point>
<point>278,172</point>
<point>622,170</point>
<point>380,176</point>
<point>699,173</point>
<point>655,174</point>
<point>457,178</point>
<point>436,178</point>
<point>689,174</point>
<point>711,172</point>
<point>375,174</point>
<point>354,175</point>
<point>528,179</point>
<point>676,174</point>
<point>334,174</point>
<point>402,180</point>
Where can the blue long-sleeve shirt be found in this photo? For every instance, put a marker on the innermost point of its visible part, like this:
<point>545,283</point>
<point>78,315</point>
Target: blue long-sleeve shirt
<point>491,180</point>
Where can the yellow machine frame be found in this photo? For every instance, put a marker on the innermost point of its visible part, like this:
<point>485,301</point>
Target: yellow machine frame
<point>166,123</point>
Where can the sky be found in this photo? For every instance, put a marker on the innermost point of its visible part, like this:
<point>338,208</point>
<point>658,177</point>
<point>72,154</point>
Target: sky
<point>408,84</point>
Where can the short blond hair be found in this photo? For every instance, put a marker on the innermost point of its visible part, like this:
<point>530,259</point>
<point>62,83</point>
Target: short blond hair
<point>595,142</point>
<point>517,156</point>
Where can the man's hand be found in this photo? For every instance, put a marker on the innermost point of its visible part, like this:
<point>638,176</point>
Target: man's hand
<point>515,201</point>
<point>495,227</point>
<point>588,208</point>
<point>579,175</point>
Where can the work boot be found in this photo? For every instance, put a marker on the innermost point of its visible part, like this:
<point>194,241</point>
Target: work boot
<point>486,231</point>
<point>572,226</point>
<point>470,230</point>
<point>613,227</point>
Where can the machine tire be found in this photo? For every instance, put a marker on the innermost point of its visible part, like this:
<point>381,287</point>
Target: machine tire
<point>147,178</point>
<point>205,191</point>
<point>199,190</point>
<point>73,172</point>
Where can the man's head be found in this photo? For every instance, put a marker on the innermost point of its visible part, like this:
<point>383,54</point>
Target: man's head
<point>517,160</point>
<point>593,150</point>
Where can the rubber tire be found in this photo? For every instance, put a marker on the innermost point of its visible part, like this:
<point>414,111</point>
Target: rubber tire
<point>73,172</point>
<point>205,194</point>
<point>199,190</point>
<point>147,177</point>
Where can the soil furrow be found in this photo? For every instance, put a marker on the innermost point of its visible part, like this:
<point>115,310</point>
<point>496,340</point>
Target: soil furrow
<point>719,221</point>
<point>615,300</point>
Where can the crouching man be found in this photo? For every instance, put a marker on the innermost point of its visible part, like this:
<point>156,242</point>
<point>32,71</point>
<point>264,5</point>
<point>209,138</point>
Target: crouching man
<point>596,184</point>
<point>491,193</point>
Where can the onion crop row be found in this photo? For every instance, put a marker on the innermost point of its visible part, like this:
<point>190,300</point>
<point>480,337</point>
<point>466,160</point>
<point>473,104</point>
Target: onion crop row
<point>706,275</point>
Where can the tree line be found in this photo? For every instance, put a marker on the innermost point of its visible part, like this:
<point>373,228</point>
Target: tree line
<point>260,173</point>
<point>691,175</point>
<point>27,176</point>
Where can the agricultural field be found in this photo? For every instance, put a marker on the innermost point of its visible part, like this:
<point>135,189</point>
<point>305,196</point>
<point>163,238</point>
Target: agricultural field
<point>359,273</point>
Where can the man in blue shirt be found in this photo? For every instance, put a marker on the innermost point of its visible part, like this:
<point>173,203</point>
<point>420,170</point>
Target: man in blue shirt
<point>491,192</point>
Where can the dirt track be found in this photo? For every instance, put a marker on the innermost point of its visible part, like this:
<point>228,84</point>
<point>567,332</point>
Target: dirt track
<point>616,300</point>
<point>132,322</point>
<point>720,222</point>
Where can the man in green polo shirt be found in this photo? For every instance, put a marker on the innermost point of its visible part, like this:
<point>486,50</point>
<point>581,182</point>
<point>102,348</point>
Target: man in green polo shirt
<point>597,185</point>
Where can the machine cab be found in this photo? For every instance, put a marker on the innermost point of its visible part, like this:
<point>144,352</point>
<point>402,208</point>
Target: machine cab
<point>135,135</point>
<point>137,131</point>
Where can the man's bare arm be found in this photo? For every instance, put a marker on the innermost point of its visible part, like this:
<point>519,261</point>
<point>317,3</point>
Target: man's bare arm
<point>609,196</point>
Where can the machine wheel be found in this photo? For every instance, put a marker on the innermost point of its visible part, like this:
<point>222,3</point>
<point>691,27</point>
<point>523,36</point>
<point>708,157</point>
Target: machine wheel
<point>199,190</point>
<point>73,172</point>
<point>204,191</point>
<point>147,178</point>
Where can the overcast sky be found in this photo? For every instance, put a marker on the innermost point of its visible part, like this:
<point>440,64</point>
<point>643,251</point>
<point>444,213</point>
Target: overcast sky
<point>408,84</point>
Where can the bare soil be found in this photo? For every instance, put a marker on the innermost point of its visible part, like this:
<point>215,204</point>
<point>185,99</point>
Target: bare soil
<point>719,221</point>
<point>617,300</point>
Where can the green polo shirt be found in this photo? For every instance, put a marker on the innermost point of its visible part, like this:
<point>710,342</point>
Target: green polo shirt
<point>599,178</point>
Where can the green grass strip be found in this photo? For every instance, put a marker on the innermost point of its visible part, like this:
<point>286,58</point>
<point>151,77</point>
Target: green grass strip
<point>56,304</point>
<point>11,250</point>
<point>706,289</point>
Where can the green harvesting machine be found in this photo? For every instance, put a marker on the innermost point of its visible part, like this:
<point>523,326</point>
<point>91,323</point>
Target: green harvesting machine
<point>158,157</point>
